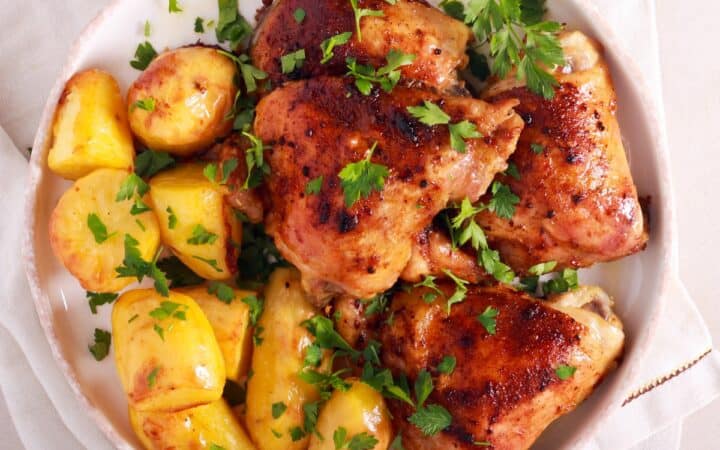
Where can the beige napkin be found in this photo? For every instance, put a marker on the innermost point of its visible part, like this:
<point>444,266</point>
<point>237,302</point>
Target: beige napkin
<point>664,393</point>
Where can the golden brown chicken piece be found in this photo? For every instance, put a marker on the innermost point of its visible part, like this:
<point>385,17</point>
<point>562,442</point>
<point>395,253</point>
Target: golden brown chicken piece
<point>578,203</point>
<point>317,127</point>
<point>505,389</point>
<point>413,26</point>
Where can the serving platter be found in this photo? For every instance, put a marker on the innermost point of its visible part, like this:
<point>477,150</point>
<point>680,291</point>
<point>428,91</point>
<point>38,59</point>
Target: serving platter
<point>637,283</point>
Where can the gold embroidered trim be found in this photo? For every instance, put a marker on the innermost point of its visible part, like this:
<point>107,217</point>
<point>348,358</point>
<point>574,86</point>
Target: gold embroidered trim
<point>662,380</point>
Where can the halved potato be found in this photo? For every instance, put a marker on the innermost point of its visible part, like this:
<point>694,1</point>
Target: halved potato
<point>360,409</point>
<point>276,363</point>
<point>231,324</point>
<point>196,428</point>
<point>186,95</point>
<point>74,243</point>
<point>165,352</point>
<point>90,128</point>
<point>195,222</point>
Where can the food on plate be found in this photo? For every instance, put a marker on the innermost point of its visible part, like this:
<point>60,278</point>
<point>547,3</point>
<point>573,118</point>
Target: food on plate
<point>181,102</point>
<point>363,226</point>
<point>90,130</point>
<point>211,426</point>
<point>358,414</point>
<point>196,224</point>
<point>95,223</point>
<point>276,394</point>
<point>518,363</point>
<point>229,317</point>
<point>166,354</point>
<point>578,202</point>
<point>359,250</point>
<point>328,35</point>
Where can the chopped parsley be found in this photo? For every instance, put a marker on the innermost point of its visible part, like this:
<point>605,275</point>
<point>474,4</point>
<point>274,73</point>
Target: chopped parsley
<point>134,188</point>
<point>152,377</point>
<point>429,282</point>
<point>172,218</point>
<point>537,148</point>
<point>503,200</point>
<point>360,13</point>
<point>254,158</point>
<point>96,299</point>
<point>199,25</point>
<point>134,265</point>
<point>178,273</point>
<point>512,171</point>
<point>256,306</point>
<point>296,433</point>
<point>292,61</point>
<point>423,387</point>
<point>313,186</point>
<point>361,441</point>
<point>460,289</point>
<point>361,178</point>
<point>210,262</point>
<point>299,15</point>
<point>278,409</point>
<point>567,280</point>
<point>397,443</point>
<point>150,162</point>
<point>431,114</point>
<point>144,54</point>
<point>98,229</point>
<point>101,347</point>
<point>222,291</point>
<point>447,365</point>
<point>328,45</point>
<point>173,6</point>
<point>542,268</point>
<point>201,236</point>
<point>431,419</point>
<point>488,319</point>
<point>387,76</point>
<point>231,25</point>
<point>564,371</point>
<point>250,74</point>
<point>146,29</point>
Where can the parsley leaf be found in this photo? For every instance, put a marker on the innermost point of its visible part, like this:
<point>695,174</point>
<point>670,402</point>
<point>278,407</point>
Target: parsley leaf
<point>199,25</point>
<point>256,306</point>
<point>461,131</point>
<point>146,104</point>
<point>453,8</point>
<point>490,260</point>
<point>255,160</point>
<point>360,13</point>
<point>173,6</point>
<point>431,419</point>
<point>144,54</point>
<point>172,218</point>
<point>361,178</point>
<point>201,236</point>
<point>250,74</point>
<point>152,377</point>
<point>313,186</point>
<point>387,76</point>
<point>375,305</point>
<point>361,441</point>
<point>231,25</point>
<point>178,273</point>
<point>429,114</point>
<point>537,148</point>
<point>98,229</point>
<point>96,299</point>
<point>460,289</point>
<point>149,163</point>
<point>542,268</point>
<point>423,387</point>
<point>397,443</point>
<point>313,356</point>
<point>299,15</point>
<point>210,262</point>
<point>467,229</point>
<point>278,409</point>
<point>311,411</point>
<point>292,61</point>
<point>146,29</point>
<point>447,365</point>
<point>296,433</point>
<point>131,186</point>
<point>503,200</point>
<point>566,281</point>
<point>222,291</point>
<point>488,319</point>
<point>512,171</point>
<point>101,347</point>
<point>325,335</point>
<point>330,43</point>
<point>429,282</point>
<point>214,446</point>
<point>134,266</point>
<point>564,372</point>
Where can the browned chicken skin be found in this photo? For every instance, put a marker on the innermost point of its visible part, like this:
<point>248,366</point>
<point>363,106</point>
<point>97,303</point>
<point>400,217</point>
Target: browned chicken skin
<point>504,389</point>
<point>578,203</point>
<point>437,40</point>
<point>317,127</point>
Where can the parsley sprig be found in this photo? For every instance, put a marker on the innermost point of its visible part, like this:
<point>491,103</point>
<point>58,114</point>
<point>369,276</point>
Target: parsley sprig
<point>431,114</point>
<point>387,77</point>
<point>360,179</point>
<point>360,13</point>
<point>135,266</point>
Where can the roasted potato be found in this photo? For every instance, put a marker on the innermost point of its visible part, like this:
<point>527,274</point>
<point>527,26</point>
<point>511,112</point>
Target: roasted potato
<point>92,256</point>
<point>165,351</point>
<point>195,222</point>
<point>231,324</point>
<point>180,103</point>
<point>360,409</point>
<point>195,428</point>
<point>90,129</point>
<point>276,363</point>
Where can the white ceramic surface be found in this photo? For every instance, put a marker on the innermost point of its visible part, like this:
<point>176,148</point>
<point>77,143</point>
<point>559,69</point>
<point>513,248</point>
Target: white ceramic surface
<point>637,283</point>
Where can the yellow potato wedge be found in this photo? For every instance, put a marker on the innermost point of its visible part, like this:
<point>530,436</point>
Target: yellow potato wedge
<point>180,103</point>
<point>195,428</point>
<point>231,324</point>
<point>165,352</point>
<point>90,128</point>
<point>195,222</point>
<point>360,409</point>
<point>90,257</point>
<point>276,363</point>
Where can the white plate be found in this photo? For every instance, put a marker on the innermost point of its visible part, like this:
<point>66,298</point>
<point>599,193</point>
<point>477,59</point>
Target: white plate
<point>109,42</point>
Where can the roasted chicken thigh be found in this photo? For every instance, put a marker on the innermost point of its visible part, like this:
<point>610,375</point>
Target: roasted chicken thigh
<point>438,41</point>
<point>578,203</point>
<point>317,127</point>
<point>511,379</point>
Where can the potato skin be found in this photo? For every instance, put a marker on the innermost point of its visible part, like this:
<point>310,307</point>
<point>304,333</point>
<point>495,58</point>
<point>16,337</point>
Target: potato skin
<point>231,325</point>
<point>73,242</point>
<point>90,128</point>
<point>276,364</point>
<point>187,364</point>
<point>360,409</point>
<point>194,200</point>
<point>194,90</point>
<point>194,428</point>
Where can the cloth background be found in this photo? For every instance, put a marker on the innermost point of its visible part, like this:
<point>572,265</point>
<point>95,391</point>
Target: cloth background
<point>36,37</point>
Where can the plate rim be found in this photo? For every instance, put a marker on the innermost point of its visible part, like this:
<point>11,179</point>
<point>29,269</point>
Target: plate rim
<point>667,246</point>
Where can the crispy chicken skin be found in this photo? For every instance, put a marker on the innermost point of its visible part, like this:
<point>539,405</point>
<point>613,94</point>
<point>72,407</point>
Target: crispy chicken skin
<point>413,26</point>
<point>578,203</point>
<point>504,389</point>
<point>317,127</point>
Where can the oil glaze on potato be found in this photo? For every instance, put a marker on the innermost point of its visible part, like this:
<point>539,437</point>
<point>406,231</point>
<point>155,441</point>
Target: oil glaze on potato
<point>185,194</point>
<point>73,242</point>
<point>90,129</point>
<point>193,91</point>
<point>231,324</point>
<point>194,428</point>
<point>182,368</point>
<point>276,363</point>
<point>360,409</point>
